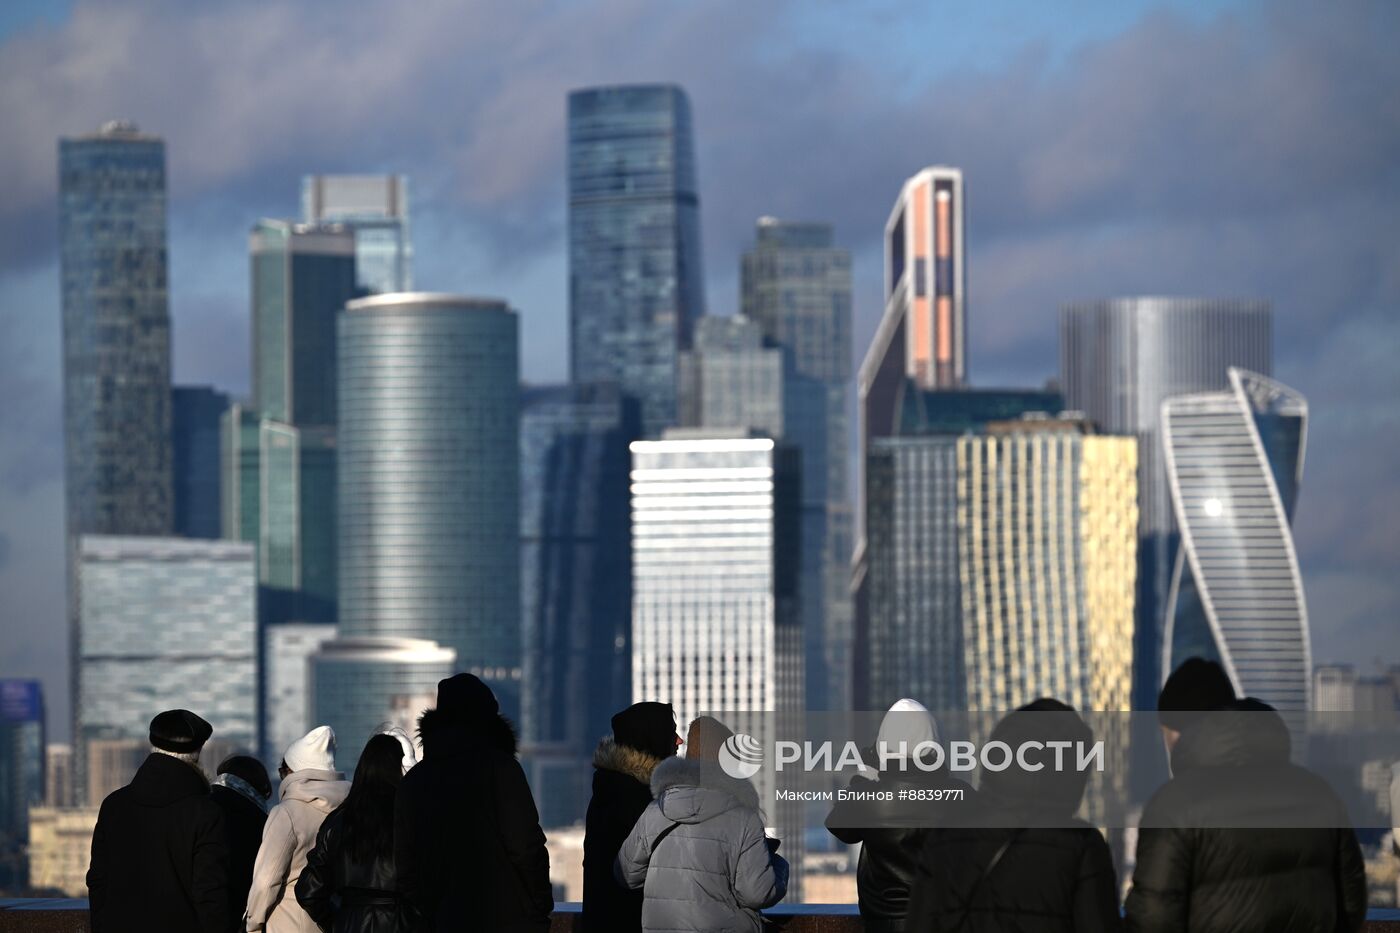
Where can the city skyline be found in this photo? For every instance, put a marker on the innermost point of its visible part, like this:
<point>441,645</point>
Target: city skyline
<point>1317,366</point>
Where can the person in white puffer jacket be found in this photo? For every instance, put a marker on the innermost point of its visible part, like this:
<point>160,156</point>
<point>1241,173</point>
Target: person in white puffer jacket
<point>311,789</point>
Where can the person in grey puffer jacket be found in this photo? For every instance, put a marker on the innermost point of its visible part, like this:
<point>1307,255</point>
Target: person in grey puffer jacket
<point>699,852</point>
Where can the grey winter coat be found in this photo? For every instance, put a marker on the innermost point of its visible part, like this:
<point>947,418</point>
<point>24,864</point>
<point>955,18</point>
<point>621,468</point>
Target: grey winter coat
<point>714,871</point>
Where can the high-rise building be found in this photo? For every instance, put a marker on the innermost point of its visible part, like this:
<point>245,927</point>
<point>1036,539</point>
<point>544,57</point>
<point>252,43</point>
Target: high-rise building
<point>195,415</point>
<point>112,763</point>
<point>1119,360</point>
<point>21,759</point>
<point>797,285</point>
<point>58,775</point>
<point>163,623</point>
<point>576,583</point>
<point>635,278</point>
<point>1234,462</point>
<point>60,849</point>
<point>286,699</point>
<point>375,208</point>
<point>908,578</point>
<point>116,333</point>
<point>429,475</point>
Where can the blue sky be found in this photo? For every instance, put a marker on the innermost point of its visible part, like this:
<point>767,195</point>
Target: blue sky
<point>1239,148</point>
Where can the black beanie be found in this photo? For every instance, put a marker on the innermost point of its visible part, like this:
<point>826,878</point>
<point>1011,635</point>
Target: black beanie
<point>179,731</point>
<point>248,769</point>
<point>648,727</point>
<point>1195,687</point>
<point>465,696</point>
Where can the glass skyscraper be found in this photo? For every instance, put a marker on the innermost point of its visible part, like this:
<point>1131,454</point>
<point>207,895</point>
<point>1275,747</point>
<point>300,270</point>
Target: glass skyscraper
<point>116,332</point>
<point>1119,360</point>
<point>635,277</point>
<point>576,583</point>
<point>22,758</point>
<point>163,623</point>
<point>429,474</point>
<point>375,208</point>
<point>797,285</point>
<point>285,687</point>
<point>1234,462</point>
<point>196,412</point>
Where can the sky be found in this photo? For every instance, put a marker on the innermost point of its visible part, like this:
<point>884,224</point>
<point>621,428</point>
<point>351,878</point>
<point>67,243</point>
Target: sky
<point>1114,148</point>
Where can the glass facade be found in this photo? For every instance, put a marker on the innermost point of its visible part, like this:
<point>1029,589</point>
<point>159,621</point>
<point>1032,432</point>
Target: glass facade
<point>1234,461</point>
<point>375,208</point>
<point>164,623</point>
<point>635,277</point>
<point>576,583</point>
<point>429,476</point>
<point>196,412</point>
<point>1119,360</point>
<point>21,769</point>
<point>286,700</point>
<point>116,333</point>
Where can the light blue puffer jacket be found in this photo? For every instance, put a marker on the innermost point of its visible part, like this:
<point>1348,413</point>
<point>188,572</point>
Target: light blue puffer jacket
<point>713,872</point>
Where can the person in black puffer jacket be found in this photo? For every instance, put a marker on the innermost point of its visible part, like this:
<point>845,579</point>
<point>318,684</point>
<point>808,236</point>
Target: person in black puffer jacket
<point>349,884</point>
<point>242,789</point>
<point>892,834</point>
<point>644,735</point>
<point>1053,874</point>
<point>1232,769</point>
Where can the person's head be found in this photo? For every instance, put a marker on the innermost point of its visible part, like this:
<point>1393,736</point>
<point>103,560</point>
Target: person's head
<point>648,727</point>
<point>410,754</point>
<point>1053,793</point>
<point>907,726</point>
<point>706,736</point>
<point>314,751</point>
<point>283,771</point>
<point>466,698</point>
<point>1195,687</point>
<point>248,770</point>
<point>369,807</point>
<point>179,734</point>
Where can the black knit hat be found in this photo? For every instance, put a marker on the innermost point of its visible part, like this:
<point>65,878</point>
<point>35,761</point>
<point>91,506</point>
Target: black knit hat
<point>466,696</point>
<point>248,769</point>
<point>179,731</point>
<point>648,727</point>
<point>1195,687</point>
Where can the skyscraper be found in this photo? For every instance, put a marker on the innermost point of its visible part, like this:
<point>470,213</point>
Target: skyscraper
<point>22,761</point>
<point>1234,463</point>
<point>116,332</point>
<point>1119,360</point>
<point>576,583</point>
<point>429,471</point>
<point>375,208</point>
<point>285,688</point>
<point>195,415</point>
<point>797,285</point>
<point>635,278</point>
<point>163,623</point>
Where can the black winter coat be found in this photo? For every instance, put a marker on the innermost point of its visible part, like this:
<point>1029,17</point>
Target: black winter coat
<point>160,854</point>
<point>892,836</point>
<point>467,840</point>
<point>1231,768</point>
<point>621,792</point>
<point>344,895</point>
<point>243,826</point>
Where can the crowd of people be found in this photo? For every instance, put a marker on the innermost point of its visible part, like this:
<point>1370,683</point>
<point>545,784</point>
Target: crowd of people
<point>453,842</point>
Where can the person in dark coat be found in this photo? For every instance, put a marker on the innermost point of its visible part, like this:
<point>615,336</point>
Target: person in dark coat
<point>349,884</point>
<point>241,789</point>
<point>892,833</point>
<point>644,735</point>
<point>1046,872</point>
<point>467,840</point>
<point>159,850</point>
<point>1200,867</point>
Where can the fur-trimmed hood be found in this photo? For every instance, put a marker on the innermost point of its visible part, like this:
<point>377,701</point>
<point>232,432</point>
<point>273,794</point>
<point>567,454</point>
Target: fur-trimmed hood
<point>625,760</point>
<point>692,791</point>
<point>440,732</point>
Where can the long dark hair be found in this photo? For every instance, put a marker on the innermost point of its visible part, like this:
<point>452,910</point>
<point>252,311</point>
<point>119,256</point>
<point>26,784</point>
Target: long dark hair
<point>368,821</point>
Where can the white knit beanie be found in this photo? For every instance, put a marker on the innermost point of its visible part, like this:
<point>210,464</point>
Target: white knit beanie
<point>314,751</point>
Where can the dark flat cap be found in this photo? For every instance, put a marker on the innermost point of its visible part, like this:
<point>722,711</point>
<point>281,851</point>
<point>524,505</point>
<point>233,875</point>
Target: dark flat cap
<point>179,730</point>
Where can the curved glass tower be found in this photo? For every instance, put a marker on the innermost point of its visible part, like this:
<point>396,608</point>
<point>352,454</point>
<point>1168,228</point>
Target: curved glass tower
<point>1234,463</point>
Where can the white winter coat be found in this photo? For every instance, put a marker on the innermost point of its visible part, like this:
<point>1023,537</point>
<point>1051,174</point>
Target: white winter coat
<point>290,832</point>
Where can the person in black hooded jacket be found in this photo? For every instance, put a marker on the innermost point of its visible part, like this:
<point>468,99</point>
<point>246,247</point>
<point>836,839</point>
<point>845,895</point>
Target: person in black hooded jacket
<point>644,735</point>
<point>241,789</point>
<point>349,884</point>
<point>467,840</point>
<point>1198,869</point>
<point>1045,872</point>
